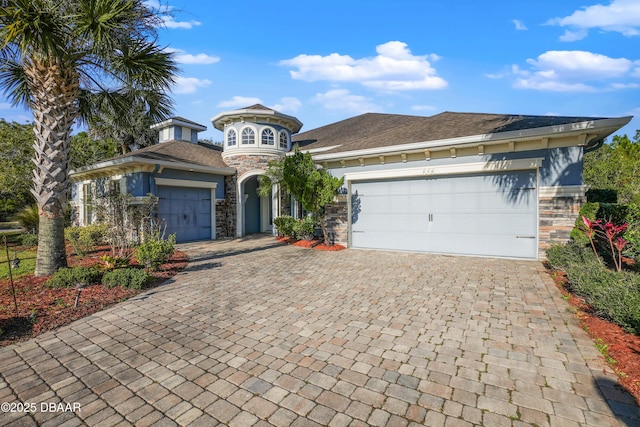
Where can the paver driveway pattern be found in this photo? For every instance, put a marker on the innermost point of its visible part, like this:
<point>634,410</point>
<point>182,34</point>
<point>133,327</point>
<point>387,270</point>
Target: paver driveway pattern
<point>257,333</point>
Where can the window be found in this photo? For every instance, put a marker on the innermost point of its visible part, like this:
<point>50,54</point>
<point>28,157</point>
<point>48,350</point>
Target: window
<point>114,186</point>
<point>248,136</point>
<point>284,140</point>
<point>267,137</point>
<point>231,138</point>
<point>87,202</point>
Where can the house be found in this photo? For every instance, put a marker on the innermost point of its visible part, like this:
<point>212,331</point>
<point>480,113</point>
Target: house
<point>494,185</point>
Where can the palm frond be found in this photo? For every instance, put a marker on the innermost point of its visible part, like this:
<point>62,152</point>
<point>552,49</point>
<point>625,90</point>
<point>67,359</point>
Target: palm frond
<point>13,81</point>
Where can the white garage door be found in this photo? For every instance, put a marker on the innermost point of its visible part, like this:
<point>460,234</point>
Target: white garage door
<point>487,215</point>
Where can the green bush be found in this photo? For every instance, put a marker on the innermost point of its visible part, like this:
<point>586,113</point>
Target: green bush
<point>129,278</point>
<point>602,195</point>
<point>284,224</point>
<point>304,228</point>
<point>588,210</point>
<point>155,251</point>
<point>85,239</point>
<point>29,239</point>
<point>70,277</point>
<point>611,294</point>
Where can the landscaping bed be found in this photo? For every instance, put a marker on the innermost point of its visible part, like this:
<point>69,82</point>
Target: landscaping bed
<point>41,308</point>
<point>620,348</point>
<point>314,244</point>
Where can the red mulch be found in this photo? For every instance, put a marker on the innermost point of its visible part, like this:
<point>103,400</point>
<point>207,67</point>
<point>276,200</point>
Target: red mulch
<point>315,244</point>
<point>622,347</point>
<point>41,309</point>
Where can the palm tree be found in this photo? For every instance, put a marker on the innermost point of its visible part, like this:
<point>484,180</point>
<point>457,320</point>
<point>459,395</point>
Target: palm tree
<point>65,59</point>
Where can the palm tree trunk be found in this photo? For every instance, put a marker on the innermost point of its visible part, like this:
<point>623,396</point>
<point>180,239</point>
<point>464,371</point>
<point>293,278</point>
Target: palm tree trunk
<point>55,91</point>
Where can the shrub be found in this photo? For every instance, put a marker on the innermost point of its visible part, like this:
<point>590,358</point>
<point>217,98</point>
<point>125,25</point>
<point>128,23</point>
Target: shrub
<point>589,210</point>
<point>612,295</point>
<point>602,195</point>
<point>29,239</point>
<point>562,257</point>
<point>85,239</point>
<point>304,228</point>
<point>155,251</point>
<point>70,277</point>
<point>284,224</point>
<point>129,278</point>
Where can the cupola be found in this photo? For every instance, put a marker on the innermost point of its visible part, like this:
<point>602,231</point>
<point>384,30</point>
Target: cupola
<point>178,129</point>
<point>256,130</point>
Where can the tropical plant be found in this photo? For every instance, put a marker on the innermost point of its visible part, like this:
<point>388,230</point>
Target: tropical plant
<point>87,151</point>
<point>314,188</point>
<point>129,278</point>
<point>611,234</point>
<point>67,61</point>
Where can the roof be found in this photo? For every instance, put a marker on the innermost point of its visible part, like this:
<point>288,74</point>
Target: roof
<point>171,154</point>
<point>373,130</point>
<point>177,120</point>
<point>255,113</point>
<point>180,151</point>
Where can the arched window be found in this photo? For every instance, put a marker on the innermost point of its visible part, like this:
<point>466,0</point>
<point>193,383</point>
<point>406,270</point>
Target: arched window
<point>284,140</point>
<point>231,137</point>
<point>248,136</point>
<point>267,137</point>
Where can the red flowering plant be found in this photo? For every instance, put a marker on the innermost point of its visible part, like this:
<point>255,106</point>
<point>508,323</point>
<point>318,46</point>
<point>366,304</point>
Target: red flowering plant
<point>609,232</point>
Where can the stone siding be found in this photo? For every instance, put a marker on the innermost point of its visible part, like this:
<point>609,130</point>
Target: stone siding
<point>558,215</point>
<point>246,163</point>
<point>337,221</point>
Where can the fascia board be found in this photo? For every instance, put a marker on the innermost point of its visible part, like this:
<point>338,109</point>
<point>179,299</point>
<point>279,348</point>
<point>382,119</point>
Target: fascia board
<point>133,160</point>
<point>602,126</point>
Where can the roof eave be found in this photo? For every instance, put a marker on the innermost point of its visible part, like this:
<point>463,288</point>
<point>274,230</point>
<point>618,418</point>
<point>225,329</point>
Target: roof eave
<point>132,161</point>
<point>597,129</point>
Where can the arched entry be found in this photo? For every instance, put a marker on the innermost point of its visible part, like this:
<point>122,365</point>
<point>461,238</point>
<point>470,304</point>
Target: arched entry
<point>255,213</point>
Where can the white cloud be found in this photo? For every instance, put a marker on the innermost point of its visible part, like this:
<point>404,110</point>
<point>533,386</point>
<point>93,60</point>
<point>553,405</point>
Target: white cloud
<point>287,104</point>
<point>183,57</point>
<point>519,25</point>
<point>343,100</point>
<point>189,84</point>
<point>170,22</point>
<point>621,16</point>
<point>395,68</point>
<point>239,102</point>
<point>574,71</point>
<point>422,108</point>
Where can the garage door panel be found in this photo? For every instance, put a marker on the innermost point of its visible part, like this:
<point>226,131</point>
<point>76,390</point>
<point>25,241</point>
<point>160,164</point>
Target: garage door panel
<point>186,212</point>
<point>466,214</point>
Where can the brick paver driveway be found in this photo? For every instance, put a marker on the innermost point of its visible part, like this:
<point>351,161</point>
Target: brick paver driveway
<point>257,333</point>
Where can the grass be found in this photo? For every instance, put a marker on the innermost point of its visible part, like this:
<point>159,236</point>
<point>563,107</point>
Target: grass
<point>27,257</point>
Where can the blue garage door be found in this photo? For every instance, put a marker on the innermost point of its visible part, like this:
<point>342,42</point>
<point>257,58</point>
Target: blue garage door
<point>186,212</point>
<point>486,215</point>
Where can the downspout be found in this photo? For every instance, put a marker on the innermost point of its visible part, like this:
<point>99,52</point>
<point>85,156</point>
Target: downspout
<point>593,146</point>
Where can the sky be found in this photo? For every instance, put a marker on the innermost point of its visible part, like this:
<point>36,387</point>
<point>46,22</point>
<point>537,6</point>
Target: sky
<point>326,61</point>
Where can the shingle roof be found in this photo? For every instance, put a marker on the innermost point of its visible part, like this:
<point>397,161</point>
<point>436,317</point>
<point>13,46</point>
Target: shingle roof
<point>257,107</point>
<point>373,130</point>
<point>181,151</point>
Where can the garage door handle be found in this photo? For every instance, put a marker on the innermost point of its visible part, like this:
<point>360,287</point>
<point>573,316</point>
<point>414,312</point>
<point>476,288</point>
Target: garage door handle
<point>525,237</point>
<point>357,231</point>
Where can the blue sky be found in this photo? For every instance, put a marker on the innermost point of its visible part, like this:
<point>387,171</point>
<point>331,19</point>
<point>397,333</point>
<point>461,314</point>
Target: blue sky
<point>324,61</point>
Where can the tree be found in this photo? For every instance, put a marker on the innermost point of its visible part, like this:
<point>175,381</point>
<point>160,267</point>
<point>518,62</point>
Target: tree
<point>65,61</point>
<point>16,153</point>
<point>616,166</point>
<point>87,151</point>
<point>314,188</point>
<point>130,131</point>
